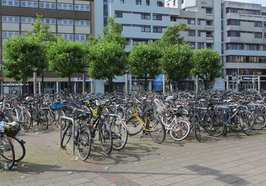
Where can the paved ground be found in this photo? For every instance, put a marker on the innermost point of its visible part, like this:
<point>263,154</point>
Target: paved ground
<point>233,160</point>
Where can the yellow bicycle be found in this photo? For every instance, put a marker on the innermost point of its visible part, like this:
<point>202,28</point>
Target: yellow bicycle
<point>147,123</point>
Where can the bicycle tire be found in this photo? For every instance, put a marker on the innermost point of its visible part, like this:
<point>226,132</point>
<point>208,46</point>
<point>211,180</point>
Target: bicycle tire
<point>245,122</point>
<point>105,137</point>
<point>119,135</point>
<point>66,135</point>
<point>214,125</point>
<point>42,121</point>
<point>83,143</point>
<point>19,148</point>
<point>133,126</point>
<point>157,131</point>
<point>179,130</point>
<point>25,121</point>
<point>197,132</point>
<point>259,121</point>
<point>6,152</point>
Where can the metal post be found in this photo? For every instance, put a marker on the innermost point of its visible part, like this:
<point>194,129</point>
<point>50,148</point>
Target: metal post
<point>163,84</point>
<point>259,85</point>
<point>126,83</point>
<point>83,82</point>
<point>34,81</point>
<point>227,82</point>
<point>197,84</point>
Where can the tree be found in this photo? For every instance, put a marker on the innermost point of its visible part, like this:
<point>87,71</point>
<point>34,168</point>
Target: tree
<point>107,60</point>
<point>41,33</point>
<point>20,55</point>
<point>67,57</point>
<point>172,36</point>
<point>176,61</point>
<point>144,60</point>
<point>107,55</point>
<point>207,65</point>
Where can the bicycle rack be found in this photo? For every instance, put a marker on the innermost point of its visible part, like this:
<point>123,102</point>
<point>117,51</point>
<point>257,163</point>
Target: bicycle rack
<point>73,131</point>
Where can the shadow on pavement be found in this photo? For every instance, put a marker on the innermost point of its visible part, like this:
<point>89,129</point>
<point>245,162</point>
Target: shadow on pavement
<point>228,179</point>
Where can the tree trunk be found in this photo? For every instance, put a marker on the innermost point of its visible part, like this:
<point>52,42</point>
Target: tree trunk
<point>42,85</point>
<point>69,84</point>
<point>110,80</point>
<point>145,82</point>
<point>24,87</point>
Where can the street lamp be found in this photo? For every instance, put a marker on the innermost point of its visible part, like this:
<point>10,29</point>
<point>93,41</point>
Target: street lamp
<point>34,80</point>
<point>126,80</point>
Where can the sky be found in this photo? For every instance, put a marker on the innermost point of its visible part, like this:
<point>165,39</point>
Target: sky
<point>263,2</point>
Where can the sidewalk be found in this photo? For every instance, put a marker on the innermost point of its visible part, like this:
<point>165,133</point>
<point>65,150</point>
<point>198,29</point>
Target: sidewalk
<point>232,160</point>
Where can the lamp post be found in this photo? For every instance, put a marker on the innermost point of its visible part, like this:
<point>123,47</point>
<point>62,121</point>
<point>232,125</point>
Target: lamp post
<point>126,80</point>
<point>34,80</point>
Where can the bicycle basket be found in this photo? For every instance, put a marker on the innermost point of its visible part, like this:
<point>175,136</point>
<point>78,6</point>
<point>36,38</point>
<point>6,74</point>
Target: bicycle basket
<point>11,129</point>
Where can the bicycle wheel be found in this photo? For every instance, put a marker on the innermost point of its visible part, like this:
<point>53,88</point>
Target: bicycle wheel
<point>133,126</point>
<point>157,130</point>
<point>42,121</point>
<point>259,121</point>
<point>83,143</point>
<point>19,148</point>
<point>214,125</point>
<point>7,153</point>
<point>197,132</point>
<point>119,135</point>
<point>67,133</point>
<point>25,121</point>
<point>179,130</point>
<point>245,121</point>
<point>105,137</point>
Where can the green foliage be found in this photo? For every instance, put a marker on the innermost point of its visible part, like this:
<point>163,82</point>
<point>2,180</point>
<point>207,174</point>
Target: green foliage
<point>177,61</point>
<point>107,60</point>
<point>67,57</point>
<point>172,36</point>
<point>145,59</point>
<point>21,54</point>
<point>207,65</point>
<point>113,32</point>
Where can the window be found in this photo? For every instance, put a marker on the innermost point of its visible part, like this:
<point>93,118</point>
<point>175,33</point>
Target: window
<point>118,14</point>
<point>258,24</point>
<point>82,7</point>
<point>158,17</point>
<point>160,4</point>
<point>191,21</point>
<point>10,2</point>
<point>172,18</point>
<point>233,22</point>
<point>209,34</point>
<point>7,34</point>
<point>122,1</point>
<point>80,37</point>
<point>233,33</point>
<point>199,21</point>
<point>157,29</point>
<point>84,23</point>
<point>191,33</point>
<point>47,5</point>
<point>64,6</point>
<point>148,2</point>
<point>145,28</point>
<point>193,45</point>
<point>209,11</point>
<point>257,35</point>
<point>253,47</point>
<point>146,16</point>
<point>200,45</point>
<point>138,2</point>
<point>28,19</point>
<point>209,23</point>
<point>10,19</point>
<point>50,21</point>
<point>66,36</point>
<point>65,22</point>
<point>234,46</point>
<point>31,4</point>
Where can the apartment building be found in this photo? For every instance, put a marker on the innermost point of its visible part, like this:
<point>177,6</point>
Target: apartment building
<point>71,19</point>
<point>236,30</point>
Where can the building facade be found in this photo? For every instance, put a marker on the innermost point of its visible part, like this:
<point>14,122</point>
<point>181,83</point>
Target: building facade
<point>236,30</point>
<point>71,19</point>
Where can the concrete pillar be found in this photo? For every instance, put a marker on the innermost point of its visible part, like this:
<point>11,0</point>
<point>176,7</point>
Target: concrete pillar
<point>126,83</point>
<point>163,84</point>
<point>34,82</point>
<point>83,82</point>
<point>57,87</point>
<point>259,84</point>
<point>197,84</point>
<point>39,88</point>
<point>227,82</point>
